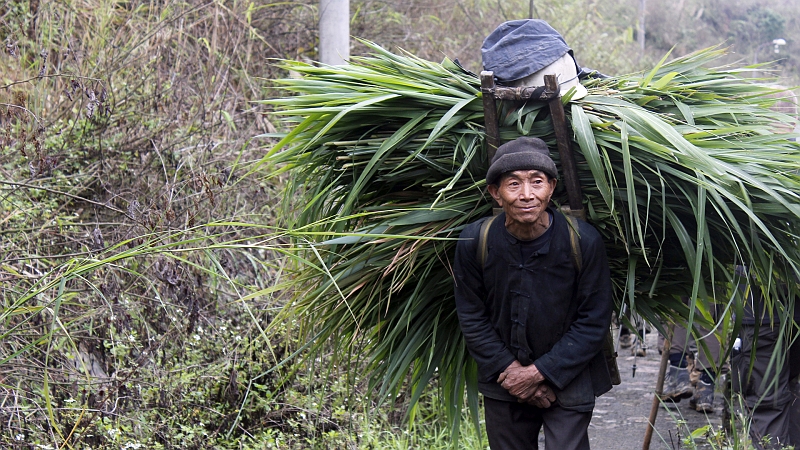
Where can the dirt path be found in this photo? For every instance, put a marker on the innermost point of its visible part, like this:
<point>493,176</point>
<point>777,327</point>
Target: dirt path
<point>620,416</point>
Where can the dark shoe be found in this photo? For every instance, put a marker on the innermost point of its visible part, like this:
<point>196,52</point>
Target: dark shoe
<point>676,384</point>
<point>703,398</point>
<point>625,340</point>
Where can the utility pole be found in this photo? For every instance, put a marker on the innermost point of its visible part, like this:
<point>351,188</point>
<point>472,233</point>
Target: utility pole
<point>334,32</point>
<point>642,8</point>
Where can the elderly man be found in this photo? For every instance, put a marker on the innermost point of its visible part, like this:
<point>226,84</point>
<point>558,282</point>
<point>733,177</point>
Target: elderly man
<point>533,315</point>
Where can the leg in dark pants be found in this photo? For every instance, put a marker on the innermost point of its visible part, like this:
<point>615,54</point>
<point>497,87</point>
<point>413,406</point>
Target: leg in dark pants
<point>515,426</point>
<point>768,405</point>
<point>794,413</point>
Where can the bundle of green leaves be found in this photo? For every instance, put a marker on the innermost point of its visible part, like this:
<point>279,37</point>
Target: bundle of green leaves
<point>681,173</point>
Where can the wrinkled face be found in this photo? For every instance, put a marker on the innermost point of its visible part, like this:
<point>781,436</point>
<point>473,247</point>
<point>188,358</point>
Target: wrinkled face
<point>524,196</point>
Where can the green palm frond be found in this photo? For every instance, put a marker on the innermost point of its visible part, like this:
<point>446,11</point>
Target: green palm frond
<point>680,170</point>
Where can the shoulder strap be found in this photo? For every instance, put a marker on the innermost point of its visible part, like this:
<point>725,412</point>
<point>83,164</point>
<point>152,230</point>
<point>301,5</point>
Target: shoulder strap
<point>575,242</point>
<point>482,238</point>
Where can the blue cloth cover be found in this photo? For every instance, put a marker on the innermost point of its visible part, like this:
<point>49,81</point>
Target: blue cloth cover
<point>519,48</point>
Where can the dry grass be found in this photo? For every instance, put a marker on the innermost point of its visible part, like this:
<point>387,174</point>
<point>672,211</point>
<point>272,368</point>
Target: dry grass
<point>127,128</point>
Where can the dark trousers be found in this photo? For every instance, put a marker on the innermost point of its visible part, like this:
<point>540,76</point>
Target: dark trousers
<point>515,426</point>
<point>794,412</point>
<point>705,360</point>
<point>768,404</point>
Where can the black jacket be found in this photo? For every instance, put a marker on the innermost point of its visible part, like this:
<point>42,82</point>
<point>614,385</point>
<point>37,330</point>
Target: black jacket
<point>538,311</point>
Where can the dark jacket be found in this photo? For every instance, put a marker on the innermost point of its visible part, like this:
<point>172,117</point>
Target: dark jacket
<point>538,311</point>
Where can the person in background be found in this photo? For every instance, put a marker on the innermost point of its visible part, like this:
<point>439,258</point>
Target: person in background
<point>768,385</point>
<point>772,407</point>
<point>693,370</point>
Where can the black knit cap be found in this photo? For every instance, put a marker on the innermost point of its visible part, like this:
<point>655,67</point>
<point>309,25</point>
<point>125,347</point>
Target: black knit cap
<point>524,153</point>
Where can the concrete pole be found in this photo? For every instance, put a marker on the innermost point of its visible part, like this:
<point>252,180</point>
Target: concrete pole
<point>641,34</point>
<point>334,32</point>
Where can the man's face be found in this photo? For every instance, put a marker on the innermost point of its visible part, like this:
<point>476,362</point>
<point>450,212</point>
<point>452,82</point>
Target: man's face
<point>524,196</point>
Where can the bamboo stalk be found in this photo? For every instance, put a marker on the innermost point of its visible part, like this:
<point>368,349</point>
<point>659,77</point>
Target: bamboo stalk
<point>662,370</point>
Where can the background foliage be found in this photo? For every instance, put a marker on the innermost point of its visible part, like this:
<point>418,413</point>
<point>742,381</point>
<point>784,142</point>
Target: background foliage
<point>140,253</point>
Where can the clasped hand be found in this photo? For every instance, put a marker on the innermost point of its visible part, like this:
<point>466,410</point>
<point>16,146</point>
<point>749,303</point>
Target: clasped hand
<point>527,384</point>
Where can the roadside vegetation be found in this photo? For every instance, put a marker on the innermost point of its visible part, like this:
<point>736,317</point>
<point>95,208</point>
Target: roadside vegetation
<point>142,250</point>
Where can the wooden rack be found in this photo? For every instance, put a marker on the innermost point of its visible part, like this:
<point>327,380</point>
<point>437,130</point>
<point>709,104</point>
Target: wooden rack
<point>550,94</point>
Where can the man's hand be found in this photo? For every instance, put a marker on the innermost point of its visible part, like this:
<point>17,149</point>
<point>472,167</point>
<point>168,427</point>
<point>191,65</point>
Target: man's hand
<point>523,382</point>
<point>514,365</point>
<point>543,397</point>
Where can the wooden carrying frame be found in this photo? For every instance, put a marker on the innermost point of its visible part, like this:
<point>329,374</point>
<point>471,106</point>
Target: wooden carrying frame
<point>551,94</point>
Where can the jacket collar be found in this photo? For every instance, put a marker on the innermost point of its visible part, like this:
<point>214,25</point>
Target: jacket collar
<point>557,219</point>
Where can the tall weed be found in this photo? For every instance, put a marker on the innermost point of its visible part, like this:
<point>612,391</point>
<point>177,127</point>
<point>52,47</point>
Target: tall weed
<point>130,242</point>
